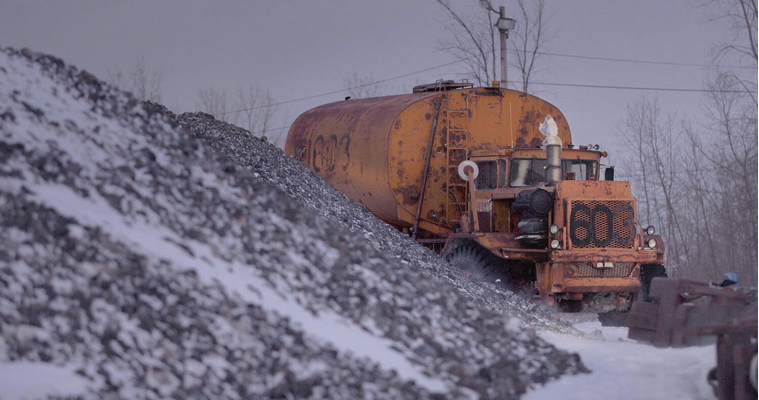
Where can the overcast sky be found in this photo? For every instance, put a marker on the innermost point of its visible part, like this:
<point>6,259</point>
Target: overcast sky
<point>300,49</point>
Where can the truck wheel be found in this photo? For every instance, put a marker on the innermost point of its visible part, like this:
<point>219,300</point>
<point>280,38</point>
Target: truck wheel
<point>647,273</point>
<point>473,259</point>
<point>570,306</point>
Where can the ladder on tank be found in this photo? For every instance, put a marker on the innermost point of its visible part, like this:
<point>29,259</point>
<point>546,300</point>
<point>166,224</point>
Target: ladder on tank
<point>457,140</point>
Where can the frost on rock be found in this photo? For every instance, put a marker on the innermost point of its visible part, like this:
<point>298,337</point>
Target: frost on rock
<point>151,264</point>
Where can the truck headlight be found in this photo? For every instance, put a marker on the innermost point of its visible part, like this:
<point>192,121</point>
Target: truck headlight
<point>555,244</point>
<point>651,243</point>
<point>554,229</point>
<point>650,230</point>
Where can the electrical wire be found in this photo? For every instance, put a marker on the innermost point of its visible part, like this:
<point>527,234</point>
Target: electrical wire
<point>657,89</point>
<point>641,61</point>
<point>682,90</point>
<point>346,89</point>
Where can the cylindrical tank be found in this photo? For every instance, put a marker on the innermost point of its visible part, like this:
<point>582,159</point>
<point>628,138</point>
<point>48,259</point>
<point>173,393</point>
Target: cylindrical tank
<point>375,150</point>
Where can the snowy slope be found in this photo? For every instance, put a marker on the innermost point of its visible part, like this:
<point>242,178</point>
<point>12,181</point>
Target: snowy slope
<point>135,264</point>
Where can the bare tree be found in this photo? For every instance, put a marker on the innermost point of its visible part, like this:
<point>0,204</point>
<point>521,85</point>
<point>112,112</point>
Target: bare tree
<point>143,83</point>
<point>258,109</point>
<point>730,147</point>
<point>730,131</point>
<point>253,109</point>
<point>146,84</point>
<point>530,39</point>
<point>654,166</point>
<point>214,103</point>
<point>472,38</point>
<point>700,184</point>
<point>361,87</point>
<point>740,16</point>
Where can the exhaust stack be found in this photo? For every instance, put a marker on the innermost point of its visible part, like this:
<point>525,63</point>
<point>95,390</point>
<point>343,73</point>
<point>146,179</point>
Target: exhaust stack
<point>552,146</point>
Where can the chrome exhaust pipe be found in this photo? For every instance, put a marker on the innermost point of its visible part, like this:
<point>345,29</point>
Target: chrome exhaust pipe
<point>552,146</point>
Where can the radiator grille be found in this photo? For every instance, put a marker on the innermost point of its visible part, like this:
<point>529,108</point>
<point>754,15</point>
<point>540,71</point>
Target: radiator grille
<point>602,224</point>
<point>588,270</point>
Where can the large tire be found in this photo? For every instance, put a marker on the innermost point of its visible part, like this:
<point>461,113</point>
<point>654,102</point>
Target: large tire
<point>647,273</point>
<point>613,318</point>
<point>474,260</point>
<point>570,306</point>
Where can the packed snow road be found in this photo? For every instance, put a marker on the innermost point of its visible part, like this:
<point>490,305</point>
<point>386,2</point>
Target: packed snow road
<point>625,369</point>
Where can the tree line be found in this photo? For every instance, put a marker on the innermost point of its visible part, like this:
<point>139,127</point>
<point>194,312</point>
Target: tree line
<point>696,177</point>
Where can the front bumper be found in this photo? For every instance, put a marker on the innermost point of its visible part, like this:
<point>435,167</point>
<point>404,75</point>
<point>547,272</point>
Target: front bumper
<point>562,278</point>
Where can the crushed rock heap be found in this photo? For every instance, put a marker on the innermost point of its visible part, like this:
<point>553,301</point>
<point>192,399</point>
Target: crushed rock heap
<point>270,164</point>
<point>135,263</point>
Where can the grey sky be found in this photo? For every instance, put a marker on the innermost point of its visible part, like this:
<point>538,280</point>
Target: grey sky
<point>299,49</point>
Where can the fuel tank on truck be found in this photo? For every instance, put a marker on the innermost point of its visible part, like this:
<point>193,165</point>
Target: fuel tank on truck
<point>377,150</point>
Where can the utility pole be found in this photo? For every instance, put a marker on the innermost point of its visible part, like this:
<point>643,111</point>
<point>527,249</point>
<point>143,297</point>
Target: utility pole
<point>504,25</point>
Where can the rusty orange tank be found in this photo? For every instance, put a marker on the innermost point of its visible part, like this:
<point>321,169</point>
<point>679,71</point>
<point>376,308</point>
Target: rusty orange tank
<point>491,177</point>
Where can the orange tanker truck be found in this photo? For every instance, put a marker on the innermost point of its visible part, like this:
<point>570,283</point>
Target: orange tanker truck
<point>490,178</point>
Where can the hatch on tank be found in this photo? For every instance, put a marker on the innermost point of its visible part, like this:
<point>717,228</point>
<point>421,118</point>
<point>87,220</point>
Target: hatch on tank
<point>440,86</point>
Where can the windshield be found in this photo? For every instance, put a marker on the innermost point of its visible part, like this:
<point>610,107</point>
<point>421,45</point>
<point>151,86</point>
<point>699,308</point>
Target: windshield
<point>532,171</point>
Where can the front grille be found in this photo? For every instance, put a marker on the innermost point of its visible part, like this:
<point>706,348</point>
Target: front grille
<point>588,270</point>
<point>602,224</point>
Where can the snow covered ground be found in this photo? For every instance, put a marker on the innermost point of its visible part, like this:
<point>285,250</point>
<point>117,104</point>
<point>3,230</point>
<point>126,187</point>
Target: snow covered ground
<point>626,369</point>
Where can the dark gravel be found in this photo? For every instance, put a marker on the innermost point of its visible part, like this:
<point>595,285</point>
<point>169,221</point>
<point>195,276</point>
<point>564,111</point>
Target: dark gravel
<point>157,256</point>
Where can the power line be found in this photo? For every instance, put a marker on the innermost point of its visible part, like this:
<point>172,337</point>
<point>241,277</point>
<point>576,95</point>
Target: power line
<point>343,90</point>
<point>536,83</point>
<point>641,61</point>
<point>269,130</point>
<point>639,88</point>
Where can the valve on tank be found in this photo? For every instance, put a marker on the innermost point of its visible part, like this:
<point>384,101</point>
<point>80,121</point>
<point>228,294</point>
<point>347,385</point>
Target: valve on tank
<point>534,206</point>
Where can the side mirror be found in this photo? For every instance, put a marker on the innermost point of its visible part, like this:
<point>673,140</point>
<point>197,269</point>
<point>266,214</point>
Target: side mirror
<point>609,174</point>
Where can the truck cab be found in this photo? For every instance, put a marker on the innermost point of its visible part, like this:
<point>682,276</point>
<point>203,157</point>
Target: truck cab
<point>570,239</point>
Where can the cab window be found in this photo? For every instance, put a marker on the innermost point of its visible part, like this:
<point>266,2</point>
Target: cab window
<point>527,172</point>
<point>531,171</point>
<point>582,170</point>
<point>488,177</point>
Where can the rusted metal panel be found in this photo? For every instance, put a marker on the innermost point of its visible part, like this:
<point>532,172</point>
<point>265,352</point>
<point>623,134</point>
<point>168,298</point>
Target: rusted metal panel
<point>611,255</point>
<point>686,311</point>
<point>605,284</point>
<point>731,379</point>
<point>694,313</point>
<point>347,143</point>
<point>374,150</point>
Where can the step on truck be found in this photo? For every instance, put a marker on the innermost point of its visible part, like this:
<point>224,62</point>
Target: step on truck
<point>491,179</point>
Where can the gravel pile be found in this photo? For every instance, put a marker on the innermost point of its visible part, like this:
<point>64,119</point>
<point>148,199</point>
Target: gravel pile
<point>136,262</point>
<point>270,164</point>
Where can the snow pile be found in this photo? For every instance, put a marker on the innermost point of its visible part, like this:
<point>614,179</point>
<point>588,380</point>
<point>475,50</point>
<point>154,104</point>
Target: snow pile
<point>137,264</point>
